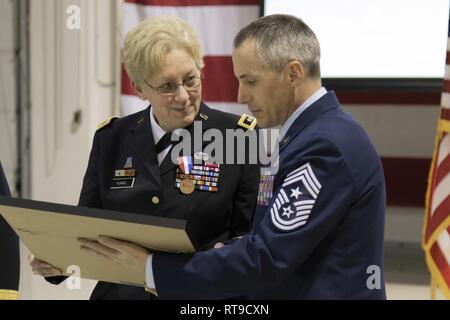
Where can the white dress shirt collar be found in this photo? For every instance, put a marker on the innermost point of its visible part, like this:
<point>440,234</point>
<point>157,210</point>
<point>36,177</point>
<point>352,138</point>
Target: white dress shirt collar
<point>157,131</point>
<point>287,124</point>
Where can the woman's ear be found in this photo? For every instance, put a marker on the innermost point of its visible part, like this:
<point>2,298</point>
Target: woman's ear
<point>139,91</point>
<point>296,72</point>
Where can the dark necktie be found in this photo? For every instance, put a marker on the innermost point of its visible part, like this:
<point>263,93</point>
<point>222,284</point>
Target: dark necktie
<point>163,143</point>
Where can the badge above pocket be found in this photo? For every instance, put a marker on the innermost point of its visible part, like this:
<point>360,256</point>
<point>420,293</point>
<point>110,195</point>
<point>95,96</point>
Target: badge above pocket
<point>124,178</point>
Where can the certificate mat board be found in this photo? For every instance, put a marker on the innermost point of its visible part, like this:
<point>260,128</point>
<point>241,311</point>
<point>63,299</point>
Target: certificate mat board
<point>51,231</point>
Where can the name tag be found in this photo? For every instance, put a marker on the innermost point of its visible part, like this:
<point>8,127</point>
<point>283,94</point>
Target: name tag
<point>122,183</point>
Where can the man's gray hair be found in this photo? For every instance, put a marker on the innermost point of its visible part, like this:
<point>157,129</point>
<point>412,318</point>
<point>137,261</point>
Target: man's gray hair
<point>281,39</point>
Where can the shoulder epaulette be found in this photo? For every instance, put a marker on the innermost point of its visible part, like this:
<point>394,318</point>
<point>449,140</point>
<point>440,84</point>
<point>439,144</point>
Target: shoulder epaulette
<point>9,295</point>
<point>247,122</point>
<point>203,116</point>
<point>106,122</point>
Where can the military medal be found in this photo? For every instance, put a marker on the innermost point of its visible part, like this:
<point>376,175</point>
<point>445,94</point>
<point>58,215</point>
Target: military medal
<point>185,164</point>
<point>187,186</point>
<point>192,177</point>
<point>265,189</point>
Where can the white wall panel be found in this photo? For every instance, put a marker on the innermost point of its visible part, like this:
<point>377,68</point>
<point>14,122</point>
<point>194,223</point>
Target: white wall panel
<point>8,119</point>
<point>71,71</point>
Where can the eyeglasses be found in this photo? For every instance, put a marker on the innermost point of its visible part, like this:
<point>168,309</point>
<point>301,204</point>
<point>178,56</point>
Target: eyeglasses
<point>191,84</point>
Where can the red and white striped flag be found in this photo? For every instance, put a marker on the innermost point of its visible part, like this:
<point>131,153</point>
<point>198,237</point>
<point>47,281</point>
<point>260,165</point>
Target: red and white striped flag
<point>216,22</point>
<point>436,232</point>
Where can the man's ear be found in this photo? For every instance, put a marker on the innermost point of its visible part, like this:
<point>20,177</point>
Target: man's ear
<point>296,72</point>
<point>139,91</point>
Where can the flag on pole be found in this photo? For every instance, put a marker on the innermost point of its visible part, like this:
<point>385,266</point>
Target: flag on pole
<point>216,22</point>
<point>436,232</point>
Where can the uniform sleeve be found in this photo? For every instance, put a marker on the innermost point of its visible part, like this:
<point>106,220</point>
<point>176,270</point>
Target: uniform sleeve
<point>89,196</point>
<point>313,194</point>
<point>9,251</point>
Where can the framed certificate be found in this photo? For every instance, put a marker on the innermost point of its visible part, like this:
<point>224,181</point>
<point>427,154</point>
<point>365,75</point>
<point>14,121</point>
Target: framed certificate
<point>51,231</point>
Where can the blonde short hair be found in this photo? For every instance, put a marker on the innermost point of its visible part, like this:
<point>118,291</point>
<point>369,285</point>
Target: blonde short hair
<point>147,44</point>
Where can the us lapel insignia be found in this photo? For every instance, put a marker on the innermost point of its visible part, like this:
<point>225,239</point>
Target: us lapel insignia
<point>201,156</point>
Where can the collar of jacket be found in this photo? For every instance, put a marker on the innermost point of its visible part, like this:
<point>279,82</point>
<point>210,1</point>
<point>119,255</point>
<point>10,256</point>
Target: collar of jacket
<point>326,103</point>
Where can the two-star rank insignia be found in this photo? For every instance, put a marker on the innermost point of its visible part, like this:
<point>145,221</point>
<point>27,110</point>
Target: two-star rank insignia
<point>247,122</point>
<point>295,200</point>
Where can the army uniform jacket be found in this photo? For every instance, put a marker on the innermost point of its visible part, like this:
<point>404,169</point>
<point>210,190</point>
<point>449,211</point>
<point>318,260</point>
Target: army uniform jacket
<point>211,216</point>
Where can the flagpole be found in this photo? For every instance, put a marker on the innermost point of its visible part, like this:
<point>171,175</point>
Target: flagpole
<point>433,286</point>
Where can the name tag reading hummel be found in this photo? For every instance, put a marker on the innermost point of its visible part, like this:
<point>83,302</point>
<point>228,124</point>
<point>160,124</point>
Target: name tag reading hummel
<point>122,183</point>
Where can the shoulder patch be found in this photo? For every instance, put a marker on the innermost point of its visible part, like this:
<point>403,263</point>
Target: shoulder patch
<point>106,122</point>
<point>296,199</point>
<point>247,122</point>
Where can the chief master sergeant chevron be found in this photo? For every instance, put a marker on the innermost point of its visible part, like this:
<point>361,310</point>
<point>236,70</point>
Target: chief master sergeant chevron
<point>320,236</point>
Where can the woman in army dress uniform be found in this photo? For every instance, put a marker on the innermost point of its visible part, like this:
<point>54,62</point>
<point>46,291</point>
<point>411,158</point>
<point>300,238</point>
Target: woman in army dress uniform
<point>130,167</point>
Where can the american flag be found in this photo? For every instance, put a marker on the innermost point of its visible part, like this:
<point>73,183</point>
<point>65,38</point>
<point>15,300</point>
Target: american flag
<point>436,233</point>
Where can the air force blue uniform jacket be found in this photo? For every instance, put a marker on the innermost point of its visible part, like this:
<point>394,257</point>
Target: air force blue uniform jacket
<point>320,236</point>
